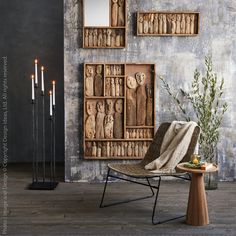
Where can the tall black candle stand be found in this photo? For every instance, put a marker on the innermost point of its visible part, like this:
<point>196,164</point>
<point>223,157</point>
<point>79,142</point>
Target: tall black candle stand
<point>47,180</point>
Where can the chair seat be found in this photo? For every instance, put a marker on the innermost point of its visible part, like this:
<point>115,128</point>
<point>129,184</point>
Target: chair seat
<point>137,170</point>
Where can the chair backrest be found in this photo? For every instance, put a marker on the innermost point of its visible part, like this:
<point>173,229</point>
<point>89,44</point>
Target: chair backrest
<point>154,149</point>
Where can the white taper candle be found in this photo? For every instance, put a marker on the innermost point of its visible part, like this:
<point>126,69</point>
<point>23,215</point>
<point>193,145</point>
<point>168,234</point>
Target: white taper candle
<point>36,71</point>
<point>32,78</point>
<point>53,92</point>
<point>50,94</point>
<point>42,79</point>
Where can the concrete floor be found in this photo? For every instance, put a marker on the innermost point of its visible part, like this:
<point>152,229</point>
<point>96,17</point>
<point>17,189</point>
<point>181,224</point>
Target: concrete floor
<point>73,209</point>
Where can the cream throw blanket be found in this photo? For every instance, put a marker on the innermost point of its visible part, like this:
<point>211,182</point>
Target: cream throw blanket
<point>174,147</point>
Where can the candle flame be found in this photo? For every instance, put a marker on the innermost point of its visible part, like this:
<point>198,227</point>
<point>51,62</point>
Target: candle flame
<point>50,92</point>
<point>32,76</point>
<point>36,61</point>
<point>42,68</point>
<point>53,82</point>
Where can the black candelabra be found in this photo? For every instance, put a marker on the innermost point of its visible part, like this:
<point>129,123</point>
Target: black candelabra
<point>43,172</point>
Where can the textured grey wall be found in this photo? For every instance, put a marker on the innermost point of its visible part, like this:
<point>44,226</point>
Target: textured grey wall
<point>175,58</point>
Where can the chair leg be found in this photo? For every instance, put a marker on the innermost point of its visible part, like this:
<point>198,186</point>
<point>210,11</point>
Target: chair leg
<point>105,186</point>
<point>154,222</point>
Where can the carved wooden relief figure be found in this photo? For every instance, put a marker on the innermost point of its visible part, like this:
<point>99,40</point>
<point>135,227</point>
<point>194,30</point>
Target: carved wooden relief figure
<point>104,37</point>
<point>178,19</point>
<point>108,87</point>
<point>140,24</point>
<point>113,38</point>
<point>192,18</point>
<point>86,38</point>
<point>118,122</point>
<point>182,24</point>
<point>141,98</point>
<point>100,120</point>
<point>109,37</point>
<point>109,120</point>
<point>187,24</point>
<point>145,24</point>
<point>151,19</point>
<point>118,40</point>
<point>94,150</point>
<point>169,23</point>
<point>164,24</point>
<point>121,13</point>
<point>113,88</point>
<point>114,13</point>
<point>131,101</point>
<point>100,38</point>
<point>121,87</point>
<point>173,24</point>
<point>99,150</point>
<point>89,81</point>
<point>117,87</point>
<point>155,24</point>
<point>90,38</point>
<point>160,24</point>
<point>95,37</point>
<point>149,92</point>
<point>90,121</point>
<point>98,84</point>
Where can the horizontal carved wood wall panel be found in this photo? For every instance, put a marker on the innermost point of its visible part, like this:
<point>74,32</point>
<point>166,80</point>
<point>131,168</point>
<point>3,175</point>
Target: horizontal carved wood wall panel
<point>119,114</point>
<point>167,23</point>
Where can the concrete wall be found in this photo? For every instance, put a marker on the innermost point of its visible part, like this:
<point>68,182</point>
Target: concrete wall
<point>175,58</point>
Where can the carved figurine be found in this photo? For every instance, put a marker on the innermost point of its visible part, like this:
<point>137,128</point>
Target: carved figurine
<point>141,98</point>
<point>121,13</point>
<point>113,88</point>
<point>118,121</point>
<point>118,40</point>
<point>104,37</point>
<point>145,24</point>
<point>86,38</point>
<point>113,38</point>
<point>129,149</point>
<point>98,83</point>
<point>160,24</point>
<point>140,149</point>
<point>108,149</point>
<point>94,150</point>
<point>169,23</point>
<point>178,19</point>
<point>100,120</point>
<point>104,150</point>
<point>140,24</point>
<point>187,26</point>
<point>121,87</point>
<point>109,37</point>
<point>95,37</point>
<point>133,148</point>
<point>90,121</point>
<point>111,149</point>
<point>137,134</point>
<point>108,87</point>
<point>115,149</point>
<point>164,24</point>
<point>117,87</point>
<point>192,19</point>
<point>127,134</point>
<point>149,92</point>
<point>100,38</point>
<point>107,70</point>
<point>136,151</point>
<point>109,120</point>
<point>155,24</point>
<point>131,101</point>
<point>173,24</point>
<point>151,19</point>
<point>118,150</point>
<point>89,91</point>
<point>90,40</point>
<point>122,149</point>
<point>99,150</point>
<point>114,13</point>
<point>182,25</point>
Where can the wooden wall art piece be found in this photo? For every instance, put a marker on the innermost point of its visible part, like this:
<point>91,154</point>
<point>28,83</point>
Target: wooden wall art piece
<point>167,23</point>
<point>119,117</point>
<point>105,35</point>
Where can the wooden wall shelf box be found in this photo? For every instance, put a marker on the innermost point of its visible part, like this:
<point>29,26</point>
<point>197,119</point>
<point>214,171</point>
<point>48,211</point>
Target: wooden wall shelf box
<point>119,114</point>
<point>167,23</point>
<point>111,33</point>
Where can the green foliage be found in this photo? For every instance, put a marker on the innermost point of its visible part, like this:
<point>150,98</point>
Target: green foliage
<point>205,97</point>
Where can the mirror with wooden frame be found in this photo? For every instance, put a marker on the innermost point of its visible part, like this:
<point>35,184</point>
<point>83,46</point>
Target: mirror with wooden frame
<point>104,23</point>
<point>119,117</point>
<point>167,23</point>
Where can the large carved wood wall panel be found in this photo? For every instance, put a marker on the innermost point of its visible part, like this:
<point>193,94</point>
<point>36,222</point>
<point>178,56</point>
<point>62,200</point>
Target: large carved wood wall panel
<point>119,117</point>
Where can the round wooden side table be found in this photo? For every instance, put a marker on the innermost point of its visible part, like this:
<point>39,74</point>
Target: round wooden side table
<point>197,211</point>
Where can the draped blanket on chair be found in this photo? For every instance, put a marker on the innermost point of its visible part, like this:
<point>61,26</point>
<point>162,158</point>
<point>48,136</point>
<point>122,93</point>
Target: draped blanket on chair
<point>174,147</point>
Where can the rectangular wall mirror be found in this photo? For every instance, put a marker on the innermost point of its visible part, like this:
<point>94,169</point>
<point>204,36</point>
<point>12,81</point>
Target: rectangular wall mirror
<point>97,16</point>
<point>104,23</point>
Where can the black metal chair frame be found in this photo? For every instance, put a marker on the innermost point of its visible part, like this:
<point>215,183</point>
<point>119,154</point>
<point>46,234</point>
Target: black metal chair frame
<point>152,187</point>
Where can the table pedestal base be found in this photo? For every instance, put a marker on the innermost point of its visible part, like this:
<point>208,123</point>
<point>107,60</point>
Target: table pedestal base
<point>197,212</point>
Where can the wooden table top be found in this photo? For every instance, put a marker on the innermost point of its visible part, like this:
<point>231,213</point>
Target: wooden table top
<point>181,167</point>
